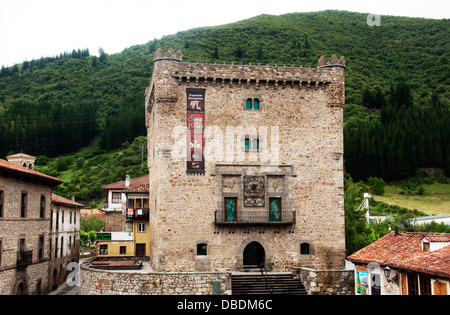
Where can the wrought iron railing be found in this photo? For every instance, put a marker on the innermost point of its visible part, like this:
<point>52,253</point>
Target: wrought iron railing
<point>254,217</point>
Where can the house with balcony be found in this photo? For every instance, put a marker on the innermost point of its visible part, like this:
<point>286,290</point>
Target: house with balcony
<point>127,219</point>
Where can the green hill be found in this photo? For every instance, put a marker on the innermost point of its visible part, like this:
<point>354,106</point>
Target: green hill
<point>397,87</point>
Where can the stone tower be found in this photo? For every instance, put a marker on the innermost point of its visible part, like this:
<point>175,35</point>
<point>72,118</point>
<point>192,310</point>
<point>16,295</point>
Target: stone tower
<point>246,165</point>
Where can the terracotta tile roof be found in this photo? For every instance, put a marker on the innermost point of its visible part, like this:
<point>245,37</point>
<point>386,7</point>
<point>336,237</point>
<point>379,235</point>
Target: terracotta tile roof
<point>60,200</point>
<point>11,168</point>
<point>140,188</point>
<point>134,184</point>
<point>404,251</point>
<point>89,212</point>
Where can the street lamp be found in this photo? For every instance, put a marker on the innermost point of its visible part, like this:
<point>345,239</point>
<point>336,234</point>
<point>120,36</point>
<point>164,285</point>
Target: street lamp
<point>387,274</point>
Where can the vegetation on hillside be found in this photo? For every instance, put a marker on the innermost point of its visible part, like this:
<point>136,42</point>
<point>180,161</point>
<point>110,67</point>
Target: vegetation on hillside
<point>86,172</point>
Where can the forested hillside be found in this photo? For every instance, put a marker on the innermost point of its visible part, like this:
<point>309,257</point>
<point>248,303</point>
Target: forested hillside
<point>397,87</point>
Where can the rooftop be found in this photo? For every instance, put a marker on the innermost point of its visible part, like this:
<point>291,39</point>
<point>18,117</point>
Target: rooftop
<point>139,184</point>
<point>404,251</point>
<point>11,170</point>
<point>61,200</point>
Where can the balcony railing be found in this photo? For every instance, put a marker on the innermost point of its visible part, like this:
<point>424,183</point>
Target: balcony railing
<point>138,214</point>
<point>24,258</point>
<point>254,217</point>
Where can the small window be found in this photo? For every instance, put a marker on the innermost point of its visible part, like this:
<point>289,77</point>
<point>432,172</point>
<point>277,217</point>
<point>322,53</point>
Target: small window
<point>247,144</point>
<point>252,104</point>
<point>248,104</point>
<point>23,205</point>
<point>103,249</point>
<point>202,249</point>
<point>305,249</point>
<point>41,247</point>
<point>1,203</point>
<point>256,104</point>
<point>116,197</point>
<point>123,250</point>
<point>42,210</point>
<point>141,227</point>
<point>251,143</point>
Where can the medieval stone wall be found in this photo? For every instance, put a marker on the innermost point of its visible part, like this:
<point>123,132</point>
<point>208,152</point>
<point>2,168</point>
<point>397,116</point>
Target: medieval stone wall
<point>300,129</point>
<point>98,282</point>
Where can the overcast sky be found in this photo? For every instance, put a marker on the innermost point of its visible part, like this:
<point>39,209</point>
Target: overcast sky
<point>30,29</point>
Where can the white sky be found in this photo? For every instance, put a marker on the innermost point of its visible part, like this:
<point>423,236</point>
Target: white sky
<point>30,29</point>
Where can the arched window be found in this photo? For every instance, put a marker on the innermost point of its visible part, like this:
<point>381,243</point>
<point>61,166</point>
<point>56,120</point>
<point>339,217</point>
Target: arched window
<point>305,249</point>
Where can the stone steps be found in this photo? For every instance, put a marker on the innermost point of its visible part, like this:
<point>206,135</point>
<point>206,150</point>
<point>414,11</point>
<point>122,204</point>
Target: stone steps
<point>267,283</point>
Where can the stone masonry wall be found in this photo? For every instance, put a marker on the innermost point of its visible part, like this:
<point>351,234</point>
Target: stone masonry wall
<point>98,282</point>
<point>327,282</point>
<point>30,229</point>
<point>301,112</point>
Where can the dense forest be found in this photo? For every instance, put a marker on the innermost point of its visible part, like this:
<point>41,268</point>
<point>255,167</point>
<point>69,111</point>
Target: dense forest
<point>397,87</point>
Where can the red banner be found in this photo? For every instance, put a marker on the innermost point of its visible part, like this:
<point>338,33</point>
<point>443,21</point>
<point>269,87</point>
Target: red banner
<point>195,130</point>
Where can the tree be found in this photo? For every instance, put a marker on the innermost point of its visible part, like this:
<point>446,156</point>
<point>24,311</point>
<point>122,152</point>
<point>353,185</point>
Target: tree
<point>102,55</point>
<point>376,185</point>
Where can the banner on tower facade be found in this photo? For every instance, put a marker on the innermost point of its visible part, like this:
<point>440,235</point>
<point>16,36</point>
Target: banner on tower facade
<point>195,130</point>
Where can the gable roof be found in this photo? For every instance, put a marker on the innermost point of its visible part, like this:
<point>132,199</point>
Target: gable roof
<point>11,170</point>
<point>404,251</point>
<point>63,201</point>
<point>135,183</point>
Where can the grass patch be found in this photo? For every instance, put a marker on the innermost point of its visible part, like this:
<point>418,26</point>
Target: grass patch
<point>433,200</point>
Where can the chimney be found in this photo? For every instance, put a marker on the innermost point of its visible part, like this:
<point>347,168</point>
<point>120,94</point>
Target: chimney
<point>127,181</point>
<point>73,198</point>
<point>397,233</point>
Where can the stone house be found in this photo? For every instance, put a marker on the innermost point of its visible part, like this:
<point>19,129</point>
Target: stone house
<point>25,208</point>
<point>246,166</point>
<point>404,263</point>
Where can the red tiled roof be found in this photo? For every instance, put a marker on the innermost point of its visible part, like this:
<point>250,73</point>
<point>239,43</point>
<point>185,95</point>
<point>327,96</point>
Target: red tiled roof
<point>11,168</point>
<point>134,184</point>
<point>86,213</point>
<point>404,251</point>
<point>64,201</point>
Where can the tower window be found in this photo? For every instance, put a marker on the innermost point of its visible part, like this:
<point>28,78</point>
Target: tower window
<point>202,249</point>
<point>251,143</point>
<point>305,249</point>
<point>252,104</point>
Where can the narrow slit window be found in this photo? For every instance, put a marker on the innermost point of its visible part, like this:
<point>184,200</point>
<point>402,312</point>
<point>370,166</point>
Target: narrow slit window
<point>256,104</point>
<point>248,104</point>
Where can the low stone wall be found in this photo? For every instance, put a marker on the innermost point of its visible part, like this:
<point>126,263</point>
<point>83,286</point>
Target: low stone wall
<point>100,282</point>
<point>327,282</point>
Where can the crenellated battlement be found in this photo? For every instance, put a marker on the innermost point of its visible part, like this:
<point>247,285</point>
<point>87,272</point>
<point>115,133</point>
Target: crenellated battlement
<point>335,62</point>
<point>170,55</point>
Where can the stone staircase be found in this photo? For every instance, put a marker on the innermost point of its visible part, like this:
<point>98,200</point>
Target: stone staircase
<point>247,283</point>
